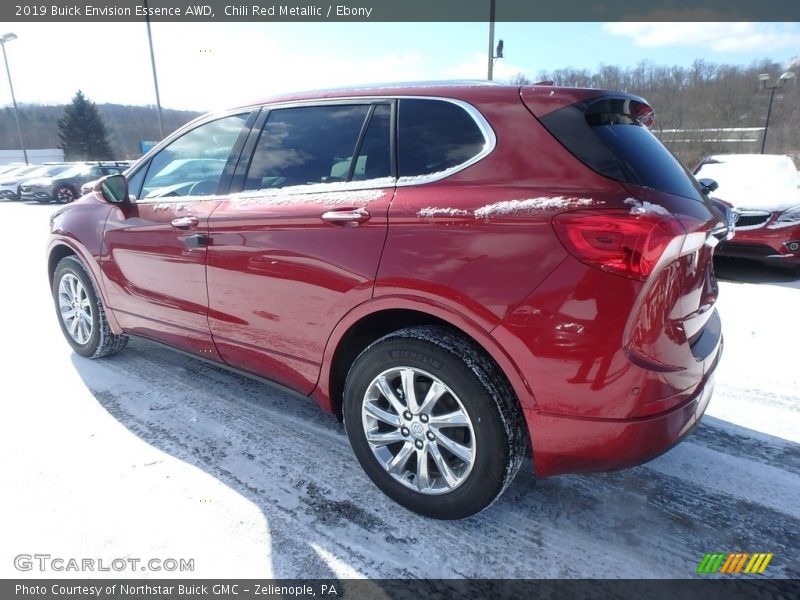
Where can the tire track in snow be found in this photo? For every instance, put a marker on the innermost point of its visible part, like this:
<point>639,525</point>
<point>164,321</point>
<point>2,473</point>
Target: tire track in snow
<point>294,462</point>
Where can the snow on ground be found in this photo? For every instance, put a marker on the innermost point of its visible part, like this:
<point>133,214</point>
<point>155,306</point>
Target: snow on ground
<point>151,454</point>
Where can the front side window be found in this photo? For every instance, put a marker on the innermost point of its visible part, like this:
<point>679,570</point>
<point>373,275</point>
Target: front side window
<point>435,135</point>
<point>307,145</point>
<point>192,165</point>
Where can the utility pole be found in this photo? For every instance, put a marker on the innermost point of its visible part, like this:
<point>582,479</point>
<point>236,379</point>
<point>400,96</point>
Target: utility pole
<point>764,79</point>
<point>491,40</point>
<point>3,39</point>
<point>155,77</point>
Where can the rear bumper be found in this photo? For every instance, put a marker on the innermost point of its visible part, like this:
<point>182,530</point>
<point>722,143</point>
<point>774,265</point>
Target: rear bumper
<point>578,445</point>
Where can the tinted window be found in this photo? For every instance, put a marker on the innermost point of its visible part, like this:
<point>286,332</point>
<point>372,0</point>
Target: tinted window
<point>610,140</point>
<point>192,165</point>
<point>310,144</point>
<point>434,135</point>
<point>374,156</point>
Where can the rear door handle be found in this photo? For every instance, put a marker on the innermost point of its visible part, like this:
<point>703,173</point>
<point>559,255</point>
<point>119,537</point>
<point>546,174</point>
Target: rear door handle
<point>346,217</point>
<point>185,222</point>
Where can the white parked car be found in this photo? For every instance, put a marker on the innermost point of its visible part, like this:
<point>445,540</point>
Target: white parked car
<point>764,191</point>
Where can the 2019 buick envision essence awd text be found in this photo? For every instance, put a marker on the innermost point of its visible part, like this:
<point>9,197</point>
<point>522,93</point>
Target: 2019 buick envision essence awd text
<point>464,273</point>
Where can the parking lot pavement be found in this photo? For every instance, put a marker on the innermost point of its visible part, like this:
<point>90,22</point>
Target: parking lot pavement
<point>152,455</point>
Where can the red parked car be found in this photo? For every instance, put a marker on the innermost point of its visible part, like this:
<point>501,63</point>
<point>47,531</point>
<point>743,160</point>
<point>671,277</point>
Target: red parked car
<point>764,191</point>
<point>463,273</point>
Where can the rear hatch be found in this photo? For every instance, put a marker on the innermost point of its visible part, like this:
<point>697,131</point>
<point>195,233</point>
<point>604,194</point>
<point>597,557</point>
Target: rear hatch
<point>662,232</point>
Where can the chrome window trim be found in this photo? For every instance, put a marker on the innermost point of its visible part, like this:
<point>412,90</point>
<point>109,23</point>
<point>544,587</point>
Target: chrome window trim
<point>490,139</point>
<point>489,143</point>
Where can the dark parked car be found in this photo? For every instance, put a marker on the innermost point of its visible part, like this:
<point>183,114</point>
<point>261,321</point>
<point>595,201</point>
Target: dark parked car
<point>64,186</point>
<point>463,273</point>
<point>764,191</point>
<point>9,186</point>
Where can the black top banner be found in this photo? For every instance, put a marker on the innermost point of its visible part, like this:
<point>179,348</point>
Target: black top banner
<point>398,10</point>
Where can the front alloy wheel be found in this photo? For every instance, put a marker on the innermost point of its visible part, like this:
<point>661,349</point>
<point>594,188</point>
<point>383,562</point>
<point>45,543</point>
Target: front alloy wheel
<point>75,308</point>
<point>80,311</point>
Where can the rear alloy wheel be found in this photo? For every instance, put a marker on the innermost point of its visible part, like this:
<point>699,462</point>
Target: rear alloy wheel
<point>427,444</point>
<point>80,312</point>
<point>64,194</point>
<point>433,422</point>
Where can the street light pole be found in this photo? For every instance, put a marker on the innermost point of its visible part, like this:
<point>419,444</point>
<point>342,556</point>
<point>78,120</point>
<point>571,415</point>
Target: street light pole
<point>491,40</point>
<point>769,112</point>
<point>764,79</point>
<point>155,77</point>
<point>3,39</point>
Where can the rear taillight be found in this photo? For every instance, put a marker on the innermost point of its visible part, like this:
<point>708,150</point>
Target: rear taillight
<point>619,241</point>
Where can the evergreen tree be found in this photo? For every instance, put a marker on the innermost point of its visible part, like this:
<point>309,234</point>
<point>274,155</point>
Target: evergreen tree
<point>82,132</point>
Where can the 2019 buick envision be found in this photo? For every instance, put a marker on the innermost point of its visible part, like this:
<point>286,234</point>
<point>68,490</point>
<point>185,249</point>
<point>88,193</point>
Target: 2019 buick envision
<point>462,272</point>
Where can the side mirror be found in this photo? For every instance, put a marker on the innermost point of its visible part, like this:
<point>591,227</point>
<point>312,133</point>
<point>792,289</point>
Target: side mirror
<point>113,189</point>
<point>708,185</point>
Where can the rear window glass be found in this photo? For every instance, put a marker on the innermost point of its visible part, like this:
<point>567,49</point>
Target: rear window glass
<point>606,137</point>
<point>434,135</point>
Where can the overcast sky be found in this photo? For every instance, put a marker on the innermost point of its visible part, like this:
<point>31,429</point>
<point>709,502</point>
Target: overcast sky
<point>203,66</point>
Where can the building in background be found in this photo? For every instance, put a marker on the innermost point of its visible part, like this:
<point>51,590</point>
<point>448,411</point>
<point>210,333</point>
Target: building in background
<point>35,157</point>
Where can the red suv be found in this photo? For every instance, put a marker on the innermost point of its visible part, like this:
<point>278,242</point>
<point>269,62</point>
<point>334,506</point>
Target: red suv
<point>464,273</point>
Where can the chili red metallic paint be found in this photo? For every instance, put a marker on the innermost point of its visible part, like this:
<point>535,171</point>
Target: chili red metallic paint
<point>609,367</point>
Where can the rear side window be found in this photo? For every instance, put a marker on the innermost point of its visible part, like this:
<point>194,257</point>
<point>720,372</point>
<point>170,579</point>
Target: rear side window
<point>608,137</point>
<point>374,158</point>
<point>434,135</point>
<point>310,144</point>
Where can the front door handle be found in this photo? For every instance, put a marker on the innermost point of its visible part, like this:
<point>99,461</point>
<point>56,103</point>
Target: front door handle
<point>185,222</point>
<point>346,217</point>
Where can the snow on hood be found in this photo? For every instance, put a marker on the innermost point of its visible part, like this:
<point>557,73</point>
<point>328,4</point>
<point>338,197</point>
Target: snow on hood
<point>753,198</point>
<point>754,182</point>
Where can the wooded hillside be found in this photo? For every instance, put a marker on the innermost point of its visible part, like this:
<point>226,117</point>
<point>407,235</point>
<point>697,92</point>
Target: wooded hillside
<point>126,126</point>
<point>690,101</point>
<point>702,109</point>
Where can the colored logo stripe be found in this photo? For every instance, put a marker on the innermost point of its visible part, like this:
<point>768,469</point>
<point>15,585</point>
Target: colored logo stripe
<point>758,563</point>
<point>734,562</point>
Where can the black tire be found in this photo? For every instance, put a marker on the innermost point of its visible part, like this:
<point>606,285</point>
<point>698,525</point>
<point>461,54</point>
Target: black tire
<point>64,194</point>
<point>101,341</point>
<point>478,388</point>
